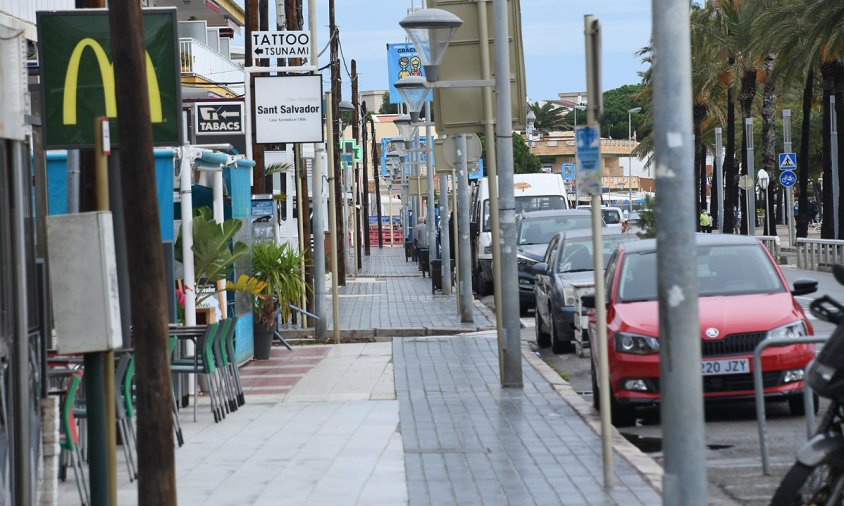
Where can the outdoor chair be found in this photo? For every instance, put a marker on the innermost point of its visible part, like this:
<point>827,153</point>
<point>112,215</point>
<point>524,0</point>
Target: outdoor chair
<point>69,439</point>
<point>125,411</point>
<point>202,362</point>
<point>232,363</point>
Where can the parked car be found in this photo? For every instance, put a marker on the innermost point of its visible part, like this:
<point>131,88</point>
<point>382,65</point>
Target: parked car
<point>612,216</point>
<point>568,259</point>
<point>534,231</point>
<point>744,299</point>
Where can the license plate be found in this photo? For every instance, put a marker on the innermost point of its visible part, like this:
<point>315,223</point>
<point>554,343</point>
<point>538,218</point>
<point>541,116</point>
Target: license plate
<point>727,366</point>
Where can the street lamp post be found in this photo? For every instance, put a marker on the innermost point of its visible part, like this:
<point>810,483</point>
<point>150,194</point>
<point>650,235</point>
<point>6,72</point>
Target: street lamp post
<point>630,113</point>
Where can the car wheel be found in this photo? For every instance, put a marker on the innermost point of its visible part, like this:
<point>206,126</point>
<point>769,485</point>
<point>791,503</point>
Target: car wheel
<point>543,340</point>
<point>557,344</point>
<point>620,415</point>
<point>796,406</point>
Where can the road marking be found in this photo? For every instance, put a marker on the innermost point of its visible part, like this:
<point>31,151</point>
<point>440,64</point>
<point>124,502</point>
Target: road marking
<point>528,323</point>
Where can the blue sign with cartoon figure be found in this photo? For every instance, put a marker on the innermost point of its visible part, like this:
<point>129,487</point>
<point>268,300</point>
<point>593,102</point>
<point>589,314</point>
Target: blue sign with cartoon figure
<point>402,61</point>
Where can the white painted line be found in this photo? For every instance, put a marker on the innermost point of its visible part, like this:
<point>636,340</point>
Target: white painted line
<point>528,323</point>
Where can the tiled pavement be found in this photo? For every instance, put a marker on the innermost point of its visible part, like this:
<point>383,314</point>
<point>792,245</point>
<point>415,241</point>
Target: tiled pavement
<point>468,441</point>
<point>390,293</point>
<point>269,380</point>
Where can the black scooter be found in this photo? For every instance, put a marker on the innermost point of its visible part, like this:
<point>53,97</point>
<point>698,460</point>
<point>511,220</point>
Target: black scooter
<point>818,475</point>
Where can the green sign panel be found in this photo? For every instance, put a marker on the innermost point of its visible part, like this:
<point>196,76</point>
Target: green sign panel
<point>351,148</point>
<point>77,76</point>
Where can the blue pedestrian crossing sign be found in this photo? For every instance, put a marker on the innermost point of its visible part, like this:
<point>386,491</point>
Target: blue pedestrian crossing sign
<point>788,178</point>
<point>588,161</point>
<point>788,161</point>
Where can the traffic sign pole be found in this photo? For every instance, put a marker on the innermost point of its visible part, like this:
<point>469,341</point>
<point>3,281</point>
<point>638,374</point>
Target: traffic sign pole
<point>789,192</point>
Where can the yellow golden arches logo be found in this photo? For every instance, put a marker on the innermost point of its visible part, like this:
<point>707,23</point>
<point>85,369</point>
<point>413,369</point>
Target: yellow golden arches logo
<point>107,75</point>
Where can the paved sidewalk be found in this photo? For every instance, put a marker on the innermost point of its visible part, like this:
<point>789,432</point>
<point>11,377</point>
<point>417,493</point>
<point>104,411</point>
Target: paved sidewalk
<point>390,293</point>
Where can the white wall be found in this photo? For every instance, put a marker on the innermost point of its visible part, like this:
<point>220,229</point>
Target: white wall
<point>24,10</point>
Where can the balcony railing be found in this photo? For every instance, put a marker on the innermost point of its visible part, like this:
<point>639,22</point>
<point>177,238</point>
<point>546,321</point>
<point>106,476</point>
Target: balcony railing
<point>199,60</point>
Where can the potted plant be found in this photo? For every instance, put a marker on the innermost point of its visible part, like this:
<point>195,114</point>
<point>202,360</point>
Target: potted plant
<point>278,269</point>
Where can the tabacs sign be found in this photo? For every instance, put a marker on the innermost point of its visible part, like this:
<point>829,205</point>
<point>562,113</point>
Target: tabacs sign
<point>215,118</point>
<point>284,44</point>
<point>77,75</point>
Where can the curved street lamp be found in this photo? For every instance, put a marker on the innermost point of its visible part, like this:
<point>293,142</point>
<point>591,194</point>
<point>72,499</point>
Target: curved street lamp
<point>431,30</point>
<point>406,129</point>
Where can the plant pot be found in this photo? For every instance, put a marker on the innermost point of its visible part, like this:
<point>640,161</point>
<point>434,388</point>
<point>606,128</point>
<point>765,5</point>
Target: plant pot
<point>263,336</point>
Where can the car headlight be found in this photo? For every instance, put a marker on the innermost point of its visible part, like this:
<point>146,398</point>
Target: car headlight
<point>636,344</point>
<point>789,331</point>
<point>568,295</point>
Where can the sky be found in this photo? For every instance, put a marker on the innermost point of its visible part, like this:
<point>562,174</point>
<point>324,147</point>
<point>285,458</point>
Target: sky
<point>552,34</point>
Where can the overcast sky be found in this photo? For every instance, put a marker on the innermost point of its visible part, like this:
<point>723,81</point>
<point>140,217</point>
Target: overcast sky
<point>552,33</point>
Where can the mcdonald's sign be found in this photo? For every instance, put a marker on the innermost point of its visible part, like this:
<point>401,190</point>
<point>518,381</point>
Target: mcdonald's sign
<point>77,76</point>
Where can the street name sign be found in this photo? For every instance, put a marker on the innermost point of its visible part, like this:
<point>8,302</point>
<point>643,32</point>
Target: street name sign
<point>788,178</point>
<point>288,109</point>
<point>213,118</point>
<point>788,161</point>
<point>281,44</point>
<point>588,161</point>
<point>77,76</point>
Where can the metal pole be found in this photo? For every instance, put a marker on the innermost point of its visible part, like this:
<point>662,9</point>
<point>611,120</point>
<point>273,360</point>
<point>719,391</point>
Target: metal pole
<point>751,173</point>
<point>509,342</point>
<point>684,481</point>
<point>833,144</point>
<point>456,214</point>
<point>186,195</point>
<point>491,164</point>
<point>592,33</point>
<point>789,192</point>
<point>21,401</point>
<point>332,223</point>
<point>432,226</point>
<point>445,240</point>
<point>319,240</point>
<point>630,162</point>
<point>72,181</point>
<point>719,175</point>
<point>465,284</point>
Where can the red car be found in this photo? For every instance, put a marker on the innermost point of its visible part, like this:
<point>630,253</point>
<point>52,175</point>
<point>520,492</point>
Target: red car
<point>744,299</point>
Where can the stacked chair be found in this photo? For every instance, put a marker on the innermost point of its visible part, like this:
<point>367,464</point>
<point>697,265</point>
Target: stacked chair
<point>69,438</point>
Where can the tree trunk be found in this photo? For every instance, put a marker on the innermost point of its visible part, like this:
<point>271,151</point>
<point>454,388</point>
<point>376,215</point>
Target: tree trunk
<point>769,144</point>
<point>730,172</point>
<point>698,114</point>
<point>803,159</point>
<point>838,76</point>
<point>828,226</point>
<point>746,95</point>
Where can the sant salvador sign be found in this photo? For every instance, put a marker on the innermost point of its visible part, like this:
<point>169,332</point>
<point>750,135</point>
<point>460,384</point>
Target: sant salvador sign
<point>78,81</point>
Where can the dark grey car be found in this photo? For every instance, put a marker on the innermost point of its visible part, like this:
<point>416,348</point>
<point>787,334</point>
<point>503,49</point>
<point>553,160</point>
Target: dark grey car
<point>534,230</point>
<point>568,259</point>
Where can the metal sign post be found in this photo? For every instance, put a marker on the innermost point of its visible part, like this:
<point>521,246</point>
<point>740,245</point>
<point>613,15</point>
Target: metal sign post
<point>719,176</point>
<point>789,192</point>
<point>588,163</point>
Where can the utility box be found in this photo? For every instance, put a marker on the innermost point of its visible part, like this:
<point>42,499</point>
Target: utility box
<point>83,281</point>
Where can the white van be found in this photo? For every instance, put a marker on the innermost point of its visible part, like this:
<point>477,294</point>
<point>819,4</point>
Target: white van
<point>533,192</point>
<point>613,217</point>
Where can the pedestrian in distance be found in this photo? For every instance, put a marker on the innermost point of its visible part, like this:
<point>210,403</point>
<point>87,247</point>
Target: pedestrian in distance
<point>708,228</point>
<point>421,233</point>
<point>703,221</point>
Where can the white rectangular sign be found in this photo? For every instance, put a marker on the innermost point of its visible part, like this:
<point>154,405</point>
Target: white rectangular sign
<point>283,44</point>
<point>288,109</point>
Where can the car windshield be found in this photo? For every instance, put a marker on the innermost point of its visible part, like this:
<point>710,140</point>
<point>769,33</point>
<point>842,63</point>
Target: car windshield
<point>542,230</point>
<point>576,255</point>
<point>722,270</point>
<point>528,204</point>
<point>611,216</point>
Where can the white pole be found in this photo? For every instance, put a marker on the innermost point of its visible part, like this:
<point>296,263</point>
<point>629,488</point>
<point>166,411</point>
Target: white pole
<point>789,192</point>
<point>187,235</point>
<point>719,171</point>
<point>217,188</point>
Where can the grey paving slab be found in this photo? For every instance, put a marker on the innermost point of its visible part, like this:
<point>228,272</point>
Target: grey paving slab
<point>390,293</point>
<point>468,441</point>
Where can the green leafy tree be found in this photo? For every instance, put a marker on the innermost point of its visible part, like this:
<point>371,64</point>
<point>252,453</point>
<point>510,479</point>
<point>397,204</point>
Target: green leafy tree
<point>524,162</point>
<point>616,104</point>
<point>549,118</point>
<point>386,106</point>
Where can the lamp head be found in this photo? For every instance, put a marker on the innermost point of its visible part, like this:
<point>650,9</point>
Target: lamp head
<point>431,30</point>
<point>414,91</point>
<point>346,106</point>
<point>406,129</point>
<point>531,117</point>
<point>635,110</point>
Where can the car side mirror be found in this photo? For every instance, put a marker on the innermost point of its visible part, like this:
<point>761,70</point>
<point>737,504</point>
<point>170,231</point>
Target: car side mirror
<point>540,268</point>
<point>588,301</point>
<point>804,287</point>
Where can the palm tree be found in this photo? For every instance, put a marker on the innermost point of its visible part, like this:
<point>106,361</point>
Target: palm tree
<point>549,118</point>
